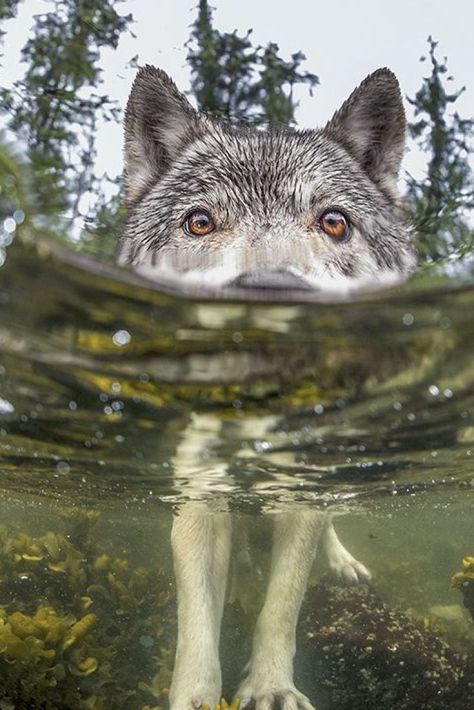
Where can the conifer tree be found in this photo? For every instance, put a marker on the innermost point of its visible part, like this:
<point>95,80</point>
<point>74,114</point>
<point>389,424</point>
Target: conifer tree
<point>54,109</point>
<point>232,78</point>
<point>8,9</point>
<point>442,200</point>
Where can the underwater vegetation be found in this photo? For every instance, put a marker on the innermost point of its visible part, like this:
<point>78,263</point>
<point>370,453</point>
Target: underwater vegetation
<point>77,626</point>
<point>464,581</point>
<point>224,705</point>
<point>82,628</point>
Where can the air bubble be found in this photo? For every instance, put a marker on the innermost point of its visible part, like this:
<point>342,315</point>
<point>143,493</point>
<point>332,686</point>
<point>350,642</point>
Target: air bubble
<point>9,225</point>
<point>121,337</point>
<point>63,467</point>
<point>6,407</point>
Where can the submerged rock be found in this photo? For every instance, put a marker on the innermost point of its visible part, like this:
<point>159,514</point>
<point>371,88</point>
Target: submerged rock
<point>359,654</point>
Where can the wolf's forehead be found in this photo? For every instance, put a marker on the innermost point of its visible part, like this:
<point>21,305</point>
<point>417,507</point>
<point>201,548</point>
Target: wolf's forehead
<point>256,168</point>
<point>266,154</point>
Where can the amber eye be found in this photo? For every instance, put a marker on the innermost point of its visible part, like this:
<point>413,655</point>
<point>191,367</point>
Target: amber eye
<point>335,224</point>
<point>198,223</point>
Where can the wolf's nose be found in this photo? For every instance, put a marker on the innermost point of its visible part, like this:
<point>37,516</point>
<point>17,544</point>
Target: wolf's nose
<point>279,279</point>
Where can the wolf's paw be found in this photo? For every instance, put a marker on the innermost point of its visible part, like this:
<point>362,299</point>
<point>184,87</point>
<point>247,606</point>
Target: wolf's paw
<point>194,690</point>
<point>346,569</point>
<point>197,698</point>
<point>286,697</point>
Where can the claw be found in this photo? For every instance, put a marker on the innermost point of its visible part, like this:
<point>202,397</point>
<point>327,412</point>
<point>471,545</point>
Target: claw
<point>350,571</point>
<point>290,699</point>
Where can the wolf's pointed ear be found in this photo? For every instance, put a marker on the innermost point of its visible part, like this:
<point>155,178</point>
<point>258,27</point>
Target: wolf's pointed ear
<point>159,121</point>
<point>371,125</point>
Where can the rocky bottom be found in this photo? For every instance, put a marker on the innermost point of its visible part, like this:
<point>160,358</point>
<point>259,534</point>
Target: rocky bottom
<point>354,652</point>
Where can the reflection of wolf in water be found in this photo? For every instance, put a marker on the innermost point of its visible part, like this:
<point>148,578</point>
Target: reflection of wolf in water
<point>261,211</point>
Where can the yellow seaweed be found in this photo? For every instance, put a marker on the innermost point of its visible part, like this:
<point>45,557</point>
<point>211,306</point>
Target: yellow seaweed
<point>78,630</point>
<point>466,574</point>
<point>48,655</point>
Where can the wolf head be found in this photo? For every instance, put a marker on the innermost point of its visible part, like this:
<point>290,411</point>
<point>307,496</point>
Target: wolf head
<point>219,206</point>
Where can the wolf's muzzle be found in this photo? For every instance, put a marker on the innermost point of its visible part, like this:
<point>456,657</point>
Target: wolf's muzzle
<point>277,280</point>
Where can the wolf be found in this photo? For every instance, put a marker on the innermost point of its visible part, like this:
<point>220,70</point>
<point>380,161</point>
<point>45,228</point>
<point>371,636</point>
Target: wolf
<point>240,210</point>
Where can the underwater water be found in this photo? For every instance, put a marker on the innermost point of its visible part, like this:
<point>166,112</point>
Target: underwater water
<point>122,406</point>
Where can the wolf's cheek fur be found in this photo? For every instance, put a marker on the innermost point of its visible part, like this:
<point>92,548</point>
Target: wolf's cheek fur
<point>322,266</point>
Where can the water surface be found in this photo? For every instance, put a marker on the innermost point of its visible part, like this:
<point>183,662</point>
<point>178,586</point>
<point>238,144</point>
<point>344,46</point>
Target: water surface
<point>120,402</point>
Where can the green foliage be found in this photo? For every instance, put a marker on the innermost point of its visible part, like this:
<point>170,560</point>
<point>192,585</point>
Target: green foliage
<point>102,228</point>
<point>55,108</point>
<point>13,189</point>
<point>442,200</point>
<point>233,79</point>
<point>8,9</point>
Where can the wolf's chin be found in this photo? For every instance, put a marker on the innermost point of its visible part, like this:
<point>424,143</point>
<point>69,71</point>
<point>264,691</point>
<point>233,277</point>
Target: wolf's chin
<point>224,281</point>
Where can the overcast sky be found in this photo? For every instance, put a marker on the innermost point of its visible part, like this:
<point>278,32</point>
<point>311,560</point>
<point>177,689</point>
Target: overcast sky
<point>343,42</point>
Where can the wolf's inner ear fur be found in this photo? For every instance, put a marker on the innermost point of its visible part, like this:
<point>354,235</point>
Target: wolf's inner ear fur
<point>371,125</point>
<point>159,122</point>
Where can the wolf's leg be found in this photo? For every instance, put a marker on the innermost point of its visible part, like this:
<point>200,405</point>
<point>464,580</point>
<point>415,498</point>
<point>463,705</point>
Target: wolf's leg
<point>222,523</point>
<point>201,545</point>
<point>344,567</point>
<point>200,541</point>
<point>269,679</point>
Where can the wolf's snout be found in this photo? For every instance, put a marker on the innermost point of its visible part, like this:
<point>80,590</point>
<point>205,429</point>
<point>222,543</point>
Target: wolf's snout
<point>280,279</point>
